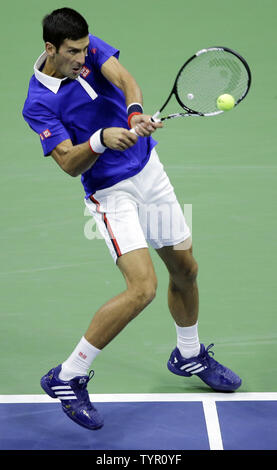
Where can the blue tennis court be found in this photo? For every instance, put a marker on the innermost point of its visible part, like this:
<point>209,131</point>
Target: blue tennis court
<point>243,421</point>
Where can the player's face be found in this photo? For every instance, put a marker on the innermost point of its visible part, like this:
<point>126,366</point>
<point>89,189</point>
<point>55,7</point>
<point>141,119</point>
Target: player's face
<point>70,58</point>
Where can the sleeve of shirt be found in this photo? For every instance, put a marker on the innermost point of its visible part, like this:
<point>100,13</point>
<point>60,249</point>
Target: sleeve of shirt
<point>99,51</point>
<point>47,125</point>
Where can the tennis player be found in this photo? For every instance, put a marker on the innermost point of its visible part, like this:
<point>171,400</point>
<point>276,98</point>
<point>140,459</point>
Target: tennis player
<point>82,103</point>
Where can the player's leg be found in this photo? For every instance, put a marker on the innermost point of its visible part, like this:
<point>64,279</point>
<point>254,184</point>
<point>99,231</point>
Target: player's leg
<point>183,297</point>
<point>115,212</point>
<point>190,357</point>
<point>171,238</point>
<point>116,216</point>
<point>68,381</point>
<point>165,228</point>
<point>138,271</point>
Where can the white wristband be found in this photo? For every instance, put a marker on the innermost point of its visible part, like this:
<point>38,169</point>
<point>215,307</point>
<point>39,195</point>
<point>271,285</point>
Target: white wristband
<point>95,142</point>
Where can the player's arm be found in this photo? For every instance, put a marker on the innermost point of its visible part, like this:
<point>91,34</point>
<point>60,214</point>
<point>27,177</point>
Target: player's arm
<point>76,159</point>
<point>119,76</point>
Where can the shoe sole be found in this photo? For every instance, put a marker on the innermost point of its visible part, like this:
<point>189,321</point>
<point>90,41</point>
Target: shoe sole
<point>92,428</point>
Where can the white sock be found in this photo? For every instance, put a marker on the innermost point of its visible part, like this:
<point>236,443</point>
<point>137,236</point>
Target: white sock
<point>187,340</point>
<point>79,361</point>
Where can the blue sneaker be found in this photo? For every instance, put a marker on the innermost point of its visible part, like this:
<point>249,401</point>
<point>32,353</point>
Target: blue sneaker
<point>74,397</point>
<point>218,377</point>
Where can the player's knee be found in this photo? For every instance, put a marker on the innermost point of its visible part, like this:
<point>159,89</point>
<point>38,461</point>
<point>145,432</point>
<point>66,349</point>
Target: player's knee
<point>147,291</point>
<point>144,292</point>
<point>191,271</point>
<point>185,271</point>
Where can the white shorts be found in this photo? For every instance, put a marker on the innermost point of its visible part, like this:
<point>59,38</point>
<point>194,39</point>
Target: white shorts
<point>138,211</point>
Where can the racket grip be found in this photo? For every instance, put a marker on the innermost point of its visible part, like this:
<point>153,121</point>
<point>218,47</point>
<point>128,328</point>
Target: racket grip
<point>133,131</point>
<point>152,119</point>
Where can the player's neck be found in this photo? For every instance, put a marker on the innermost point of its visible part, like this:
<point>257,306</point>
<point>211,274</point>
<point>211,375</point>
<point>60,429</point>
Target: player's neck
<point>49,69</point>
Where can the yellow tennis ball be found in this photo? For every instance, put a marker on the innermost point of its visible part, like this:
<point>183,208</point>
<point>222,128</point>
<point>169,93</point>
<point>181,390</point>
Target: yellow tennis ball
<point>225,102</point>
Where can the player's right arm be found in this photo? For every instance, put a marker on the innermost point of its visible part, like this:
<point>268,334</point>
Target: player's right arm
<point>76,159</point>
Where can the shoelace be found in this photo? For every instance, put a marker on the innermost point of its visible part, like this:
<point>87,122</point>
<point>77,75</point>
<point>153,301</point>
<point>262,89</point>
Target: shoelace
<point>208,349</point>
<point>83,394</point>
<point>207,355</point>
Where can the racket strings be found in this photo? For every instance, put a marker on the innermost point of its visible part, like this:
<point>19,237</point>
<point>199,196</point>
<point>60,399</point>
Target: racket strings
<point>208,76</point>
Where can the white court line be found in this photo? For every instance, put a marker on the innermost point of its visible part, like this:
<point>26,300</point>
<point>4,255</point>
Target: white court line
<point>212,424</point>
<point>149,397</point>
<point>44,268</point>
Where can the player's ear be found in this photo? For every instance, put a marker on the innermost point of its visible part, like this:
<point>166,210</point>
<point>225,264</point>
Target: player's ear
<point>50,49</point>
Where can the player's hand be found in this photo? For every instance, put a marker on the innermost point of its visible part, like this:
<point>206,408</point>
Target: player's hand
<point>143,125</point>
<point>118,138</point>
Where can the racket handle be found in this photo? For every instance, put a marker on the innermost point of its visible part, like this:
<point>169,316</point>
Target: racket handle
<point>152,119</point>
<point>133,131</point>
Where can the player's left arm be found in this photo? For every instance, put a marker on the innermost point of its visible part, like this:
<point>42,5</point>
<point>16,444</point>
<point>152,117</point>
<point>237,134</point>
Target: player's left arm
<point>120,77</point>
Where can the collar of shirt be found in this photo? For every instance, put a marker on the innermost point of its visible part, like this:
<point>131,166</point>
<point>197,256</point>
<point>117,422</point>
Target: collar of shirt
<point>52,83</point>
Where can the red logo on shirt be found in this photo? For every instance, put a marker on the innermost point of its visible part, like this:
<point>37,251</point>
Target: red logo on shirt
<point>93,50</point>
<point>45,134</point>
<point>85,72</point>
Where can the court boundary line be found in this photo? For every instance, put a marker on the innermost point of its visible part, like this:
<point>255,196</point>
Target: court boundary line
<point>148,397</point>
<point>212,424</point>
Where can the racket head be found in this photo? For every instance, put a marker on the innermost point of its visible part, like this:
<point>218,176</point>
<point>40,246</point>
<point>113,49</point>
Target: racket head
<point>208,74</point>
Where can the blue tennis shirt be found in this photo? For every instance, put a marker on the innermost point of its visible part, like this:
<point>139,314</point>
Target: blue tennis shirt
<point>60,109</point>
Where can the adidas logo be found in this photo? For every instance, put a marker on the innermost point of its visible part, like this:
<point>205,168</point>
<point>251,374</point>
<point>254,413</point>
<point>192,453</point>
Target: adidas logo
<point>193,367</point>
<point>64,392</point>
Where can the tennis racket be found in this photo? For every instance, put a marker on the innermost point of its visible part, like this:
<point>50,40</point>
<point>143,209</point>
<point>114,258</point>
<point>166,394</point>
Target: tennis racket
<point>203,78</point>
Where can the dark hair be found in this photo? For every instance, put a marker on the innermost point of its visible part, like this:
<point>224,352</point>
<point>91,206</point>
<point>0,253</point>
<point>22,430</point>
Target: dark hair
<point>64,23</point>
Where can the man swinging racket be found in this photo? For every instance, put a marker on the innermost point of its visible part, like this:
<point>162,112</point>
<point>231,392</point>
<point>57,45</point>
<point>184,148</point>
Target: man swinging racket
<point>82,102</point>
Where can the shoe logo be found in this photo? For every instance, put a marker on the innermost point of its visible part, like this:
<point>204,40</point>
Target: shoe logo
<point>193,367</point>
<point>175,360</point>
<point>64,392</point>
<point>82,381</point>
<point>85,413</point>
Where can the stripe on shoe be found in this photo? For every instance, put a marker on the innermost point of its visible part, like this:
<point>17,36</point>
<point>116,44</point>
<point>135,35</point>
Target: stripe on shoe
<point>193,367</point>
<point>64,392</point>
<point>61,387</point>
